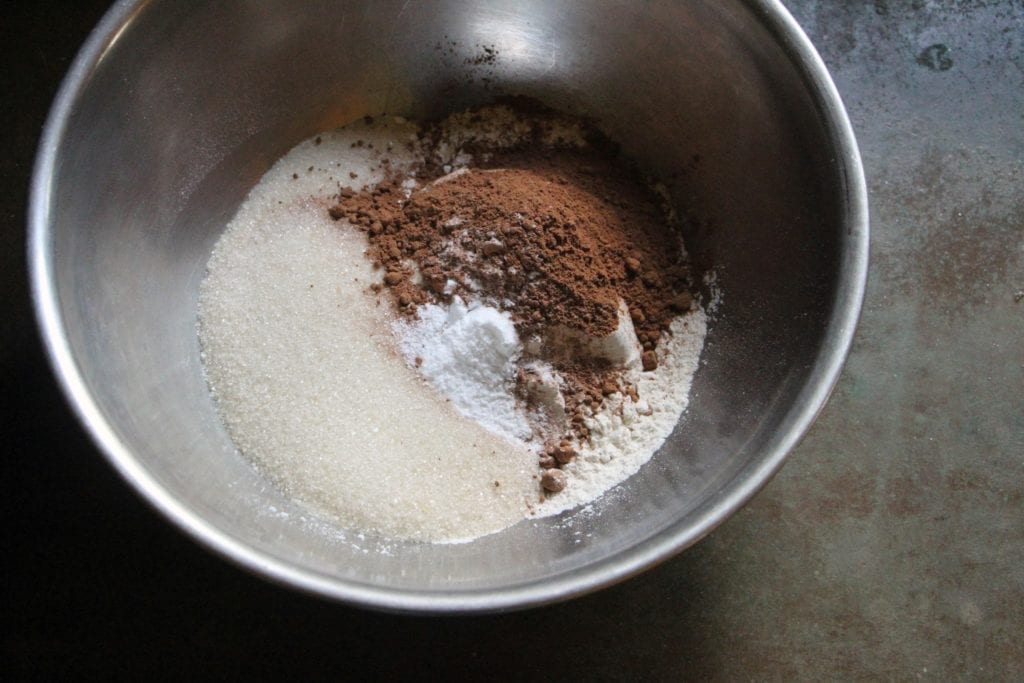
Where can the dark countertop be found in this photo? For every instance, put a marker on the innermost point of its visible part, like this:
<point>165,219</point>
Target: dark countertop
<point>890,546</point>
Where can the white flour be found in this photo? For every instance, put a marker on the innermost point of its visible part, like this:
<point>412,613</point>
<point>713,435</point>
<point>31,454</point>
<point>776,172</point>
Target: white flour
<point>623,434</point>
<point>470,354</point>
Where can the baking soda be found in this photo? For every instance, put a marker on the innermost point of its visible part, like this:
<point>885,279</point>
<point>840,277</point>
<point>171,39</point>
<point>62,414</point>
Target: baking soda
<point>468,353</point>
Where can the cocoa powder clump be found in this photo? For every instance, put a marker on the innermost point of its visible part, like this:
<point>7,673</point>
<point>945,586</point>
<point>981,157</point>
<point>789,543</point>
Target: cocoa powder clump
<point>553,480</point>
<point>562,237</point>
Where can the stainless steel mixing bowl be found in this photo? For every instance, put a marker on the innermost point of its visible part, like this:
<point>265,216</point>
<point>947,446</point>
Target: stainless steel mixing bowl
<point>173,110</point>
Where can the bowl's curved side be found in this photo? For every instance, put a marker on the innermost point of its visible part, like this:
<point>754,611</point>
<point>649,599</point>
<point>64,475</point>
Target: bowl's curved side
<point>822,378</point>
<point>52,326</point>
<point>838,338</point>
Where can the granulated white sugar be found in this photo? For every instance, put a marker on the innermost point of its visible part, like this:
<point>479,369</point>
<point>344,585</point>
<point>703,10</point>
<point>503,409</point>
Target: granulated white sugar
<point>304,372</point>
<point>405,428</point>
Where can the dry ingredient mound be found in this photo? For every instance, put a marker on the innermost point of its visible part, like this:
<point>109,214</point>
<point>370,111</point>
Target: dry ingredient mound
<point>556,231</point>
<point>498,281</point>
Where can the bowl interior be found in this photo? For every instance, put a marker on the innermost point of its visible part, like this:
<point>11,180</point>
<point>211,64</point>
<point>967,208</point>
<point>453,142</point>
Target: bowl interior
<point>174,112</point>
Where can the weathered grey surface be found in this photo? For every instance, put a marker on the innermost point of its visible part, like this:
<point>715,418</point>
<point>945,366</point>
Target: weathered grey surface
<point>891,545</point>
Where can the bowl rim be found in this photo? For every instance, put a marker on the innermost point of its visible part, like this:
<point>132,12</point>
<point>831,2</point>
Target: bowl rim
<point>612,569</point>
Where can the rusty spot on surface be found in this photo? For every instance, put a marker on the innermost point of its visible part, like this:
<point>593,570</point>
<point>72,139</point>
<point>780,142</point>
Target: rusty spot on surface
<point>970,251</point>
<point>965,480</point>
<point>904,497</point>
<point>850,494</point>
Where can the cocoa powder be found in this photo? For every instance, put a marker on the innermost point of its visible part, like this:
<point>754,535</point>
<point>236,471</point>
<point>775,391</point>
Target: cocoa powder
<point>563,238</point>
<point>554,236</point>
